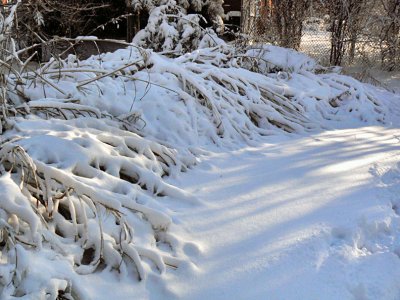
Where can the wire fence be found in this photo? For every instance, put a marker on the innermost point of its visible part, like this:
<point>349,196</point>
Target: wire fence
<point>364,51</point>
<point>317,41</point>
<point>317,44</point>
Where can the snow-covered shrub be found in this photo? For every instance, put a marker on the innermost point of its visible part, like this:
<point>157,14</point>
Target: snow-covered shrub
<point>87,190</point>
<point>170,28</point>
<point>214,7</point>
<point>9,60</point>
<point>213,94</point>
<point>7,43</point>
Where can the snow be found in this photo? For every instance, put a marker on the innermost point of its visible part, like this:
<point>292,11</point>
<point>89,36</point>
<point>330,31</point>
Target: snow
<point>288,60</point>
<point>293,218</point>
<point>213,94</point>
<point>299,218</point>
<point>136,175</point>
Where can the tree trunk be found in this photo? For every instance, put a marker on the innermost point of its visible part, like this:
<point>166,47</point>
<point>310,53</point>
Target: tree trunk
<point>392,34</point>
<point>132,24</point>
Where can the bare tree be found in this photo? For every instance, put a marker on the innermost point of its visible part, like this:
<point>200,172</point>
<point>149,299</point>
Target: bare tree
<point>288,16</point>
<point>65,18</point>
<point>346,17</point>
<point>390,39</point>
<point>278,21</point>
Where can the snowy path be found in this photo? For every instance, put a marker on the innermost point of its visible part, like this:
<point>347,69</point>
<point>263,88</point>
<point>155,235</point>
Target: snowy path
<point>305,218</point>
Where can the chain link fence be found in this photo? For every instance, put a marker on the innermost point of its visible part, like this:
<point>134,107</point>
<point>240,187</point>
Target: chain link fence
<point>316,42</point>
<point>337,32</point>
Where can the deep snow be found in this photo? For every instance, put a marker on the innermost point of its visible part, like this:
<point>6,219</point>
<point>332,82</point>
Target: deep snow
<point>211,175</point>
<point>313,217</point>
<point>309,218</point>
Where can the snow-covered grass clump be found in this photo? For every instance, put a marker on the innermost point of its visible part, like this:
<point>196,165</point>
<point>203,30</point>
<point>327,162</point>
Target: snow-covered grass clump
<point>210,95</point>
<point>86,190</point>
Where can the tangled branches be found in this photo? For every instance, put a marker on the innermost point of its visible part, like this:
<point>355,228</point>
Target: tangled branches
<point>85,197</point>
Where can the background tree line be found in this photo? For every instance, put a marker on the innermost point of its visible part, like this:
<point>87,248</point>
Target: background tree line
<point>372,22</point>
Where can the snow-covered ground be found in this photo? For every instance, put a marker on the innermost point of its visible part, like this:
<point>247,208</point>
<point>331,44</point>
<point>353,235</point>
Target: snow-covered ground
<point>312,217</point>
<point>258,175</point>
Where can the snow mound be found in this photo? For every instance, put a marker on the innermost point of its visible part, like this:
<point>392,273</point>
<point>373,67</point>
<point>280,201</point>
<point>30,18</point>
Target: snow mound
<point>273,58</point>
<point>208,96</point>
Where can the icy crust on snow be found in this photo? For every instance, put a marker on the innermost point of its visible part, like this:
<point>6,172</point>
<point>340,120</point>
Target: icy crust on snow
<point>209,96</point>
<point>98,206</point>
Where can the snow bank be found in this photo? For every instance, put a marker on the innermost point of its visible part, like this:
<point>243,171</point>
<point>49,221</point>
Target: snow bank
<point>210,95</point>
